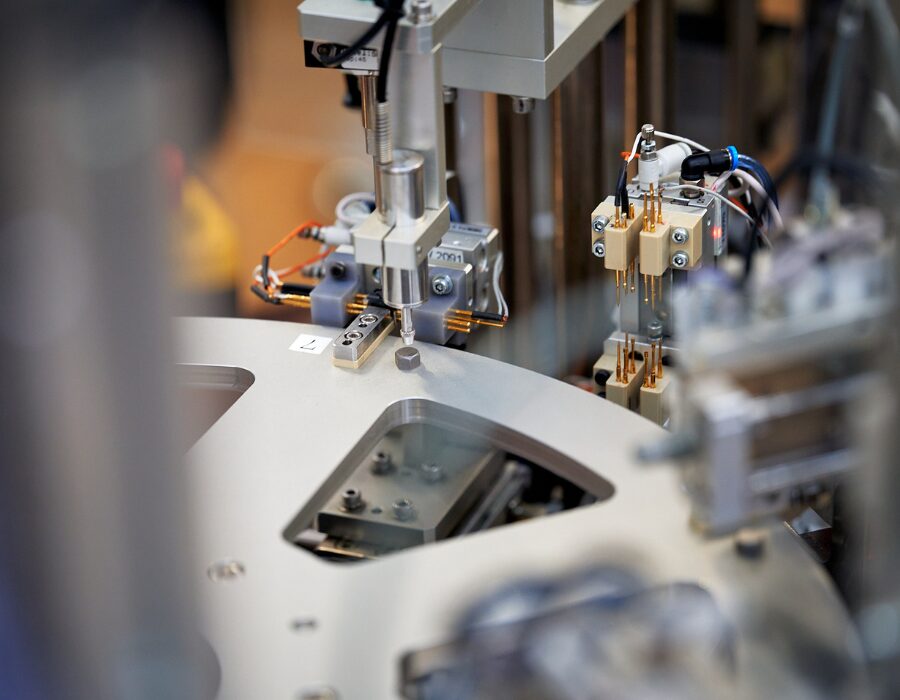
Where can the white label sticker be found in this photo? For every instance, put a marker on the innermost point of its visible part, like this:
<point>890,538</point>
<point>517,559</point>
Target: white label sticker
<point>314,344</point>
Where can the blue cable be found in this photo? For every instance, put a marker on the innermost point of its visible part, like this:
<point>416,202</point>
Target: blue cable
<point>756,168</point>
<point>454,212</point>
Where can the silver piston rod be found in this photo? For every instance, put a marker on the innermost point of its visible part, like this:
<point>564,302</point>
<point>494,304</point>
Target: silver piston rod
<point>399,201</point>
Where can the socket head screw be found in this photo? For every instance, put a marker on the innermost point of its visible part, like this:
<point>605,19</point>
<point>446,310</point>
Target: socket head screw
<point>599,249</point>
<point>352,499</point>
<point>442,285</point>
<point>680,235</point>
<point>600,223</point>
<point>680,260</point>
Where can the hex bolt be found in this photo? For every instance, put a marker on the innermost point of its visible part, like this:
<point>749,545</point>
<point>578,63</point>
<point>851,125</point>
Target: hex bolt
<point>450,95</point>
<point>680,260</point>
<point>432,473</point>
<point>680,235</point>
<point>655,330</point>
<point>352,499</point>
<point>599,249</point>
<point>382,462</point>
<point>376,275</point>
<point>522,105</point>
<point>600,223</point>
<point>403,509</point>
<point>441,285</point>
<point>407,358</point>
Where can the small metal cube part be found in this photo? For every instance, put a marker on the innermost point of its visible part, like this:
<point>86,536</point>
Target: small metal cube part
<point>407,358</point>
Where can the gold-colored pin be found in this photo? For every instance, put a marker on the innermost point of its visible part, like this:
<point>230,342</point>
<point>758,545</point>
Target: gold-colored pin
<point>617,287</point>
<point>646,373</point>
<point>659,218</point>
<point>632,276</point>
<point>646,226</point>
<point>659,362</point>
<point>619,362</point>
<point>646,290</point>
<point>652,208</point>
<point>653,291</point>
<point>633,365</point>
<point>630,210</point>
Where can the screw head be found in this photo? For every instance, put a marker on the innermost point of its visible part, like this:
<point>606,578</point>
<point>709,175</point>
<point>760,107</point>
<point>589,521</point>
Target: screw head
<point>680,235</point>
<point>367,319</point>
<point>442,285</point>
<point>352,499</point>
<point>407,358</point>
<point>403,509</point>
<point>599,249</point>
<point>600,223</point>
<point>680,260</point>
<point>450,95</point>
<point>338,270</point>
<point>382,463</point>
<point>353,335</point>
<point>432,473</point>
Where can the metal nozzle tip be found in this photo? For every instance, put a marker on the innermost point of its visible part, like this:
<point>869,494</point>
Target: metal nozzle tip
<point>408,337</point>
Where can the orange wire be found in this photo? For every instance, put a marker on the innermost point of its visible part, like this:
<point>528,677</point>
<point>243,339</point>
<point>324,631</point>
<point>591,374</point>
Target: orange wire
<point>314,259</point>
<point>292,235</point>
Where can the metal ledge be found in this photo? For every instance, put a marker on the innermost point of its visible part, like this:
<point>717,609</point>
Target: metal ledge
<point>577,30</point>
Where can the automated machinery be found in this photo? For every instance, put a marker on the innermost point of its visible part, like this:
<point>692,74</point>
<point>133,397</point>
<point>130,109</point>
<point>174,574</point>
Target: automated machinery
<point>347,521</point>
<point>338,493</point>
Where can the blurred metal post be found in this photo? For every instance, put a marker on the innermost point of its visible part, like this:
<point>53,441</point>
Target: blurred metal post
<point>92,517</point>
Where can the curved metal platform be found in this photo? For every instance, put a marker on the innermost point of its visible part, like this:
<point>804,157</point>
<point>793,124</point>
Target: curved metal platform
<point>266,457</point>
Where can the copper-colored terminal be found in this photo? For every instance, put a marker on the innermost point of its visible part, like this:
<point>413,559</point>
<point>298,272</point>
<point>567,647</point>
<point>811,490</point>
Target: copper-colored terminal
<point>659,364</point>
<point>653,291</point>
<point>633,365</point>
<point>617,287</point>
<point>618,223</point>
<point>632,276</point>
<point>652,376</point>
<point>619,362</point>
<point>659,218</point>
<point>646,290</point>
<point>646,216</point>
<point>630,210</point>
<point>652,208</point>
<point>646,373</point>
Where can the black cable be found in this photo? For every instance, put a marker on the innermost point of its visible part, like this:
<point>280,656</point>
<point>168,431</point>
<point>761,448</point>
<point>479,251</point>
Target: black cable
<point>394,11</point>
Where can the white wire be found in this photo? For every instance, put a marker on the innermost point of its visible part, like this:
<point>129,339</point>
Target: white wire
<point>724,200</point>
<point>501,300</point>
<point>750,181</point>
<point>637,140</point>
<point>670,137</point>
<point>681,139</point>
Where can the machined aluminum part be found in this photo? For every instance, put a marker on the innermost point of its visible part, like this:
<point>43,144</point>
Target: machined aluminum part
<point>261,467</point>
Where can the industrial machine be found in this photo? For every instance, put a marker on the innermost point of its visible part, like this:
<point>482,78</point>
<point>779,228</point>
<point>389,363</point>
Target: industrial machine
<point>366,508</point>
